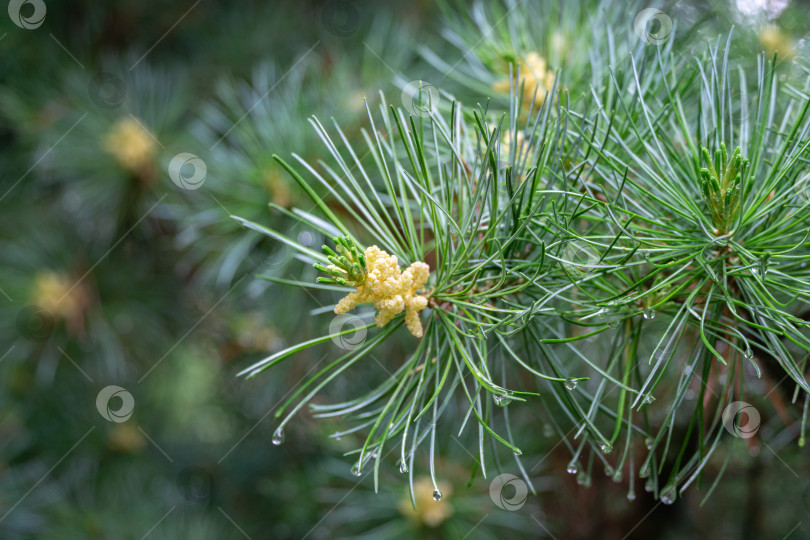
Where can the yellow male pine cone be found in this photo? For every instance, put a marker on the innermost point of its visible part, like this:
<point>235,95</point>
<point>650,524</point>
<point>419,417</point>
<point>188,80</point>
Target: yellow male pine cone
<point>379,281</point>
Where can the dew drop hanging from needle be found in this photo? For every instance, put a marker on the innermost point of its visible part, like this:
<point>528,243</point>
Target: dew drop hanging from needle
<point>668,495</point>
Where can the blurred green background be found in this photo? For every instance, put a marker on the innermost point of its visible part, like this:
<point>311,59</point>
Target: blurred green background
<point>113,274</point>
